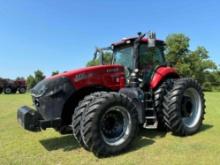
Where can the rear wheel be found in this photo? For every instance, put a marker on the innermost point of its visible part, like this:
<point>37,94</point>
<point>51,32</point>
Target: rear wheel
<point>159,94</point>
<point>22,90</point>
<point>7,90</point>
<point>109,124</point>
<point>1,90</point>
<point>77,116</point>
<point>184,107</point>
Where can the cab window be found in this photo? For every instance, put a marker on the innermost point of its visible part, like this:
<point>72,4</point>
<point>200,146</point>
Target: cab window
<point>150,56</point>
<point>149,59</point>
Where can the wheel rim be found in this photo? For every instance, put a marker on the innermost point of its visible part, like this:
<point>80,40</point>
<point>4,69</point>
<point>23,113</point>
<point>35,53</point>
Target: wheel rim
<point>22,90</point>
<point>191,107</point>
<point>8,90</point>
<point>115,125</point>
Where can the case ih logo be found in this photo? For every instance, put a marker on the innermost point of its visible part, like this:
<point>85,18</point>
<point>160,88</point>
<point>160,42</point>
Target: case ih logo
<point>83,76</point>
<point>112,70</point>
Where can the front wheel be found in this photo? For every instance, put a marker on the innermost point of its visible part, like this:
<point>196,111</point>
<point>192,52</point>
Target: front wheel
<point>109,124</point>
<point>184,107</point>
<point>7,90</point>
<point>22,90</point>
<point>77,116</point>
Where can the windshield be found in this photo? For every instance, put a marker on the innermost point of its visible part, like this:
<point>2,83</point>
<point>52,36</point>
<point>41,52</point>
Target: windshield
<point>124,56</point>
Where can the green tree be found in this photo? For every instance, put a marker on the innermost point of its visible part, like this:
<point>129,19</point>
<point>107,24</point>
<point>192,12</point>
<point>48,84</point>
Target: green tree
<point>30,82</point>
<point>33,80</point>
<point>213,77</point>
<point>107,59</point>
<point>93,62</point>
<point>38,76</point>
<point>55,73</point>
<point>195,64</point>
<point>177,47</point>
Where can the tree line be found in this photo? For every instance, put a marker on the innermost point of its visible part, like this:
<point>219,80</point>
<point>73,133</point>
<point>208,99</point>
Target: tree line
<point>38,75</point>
<point>188,63</point>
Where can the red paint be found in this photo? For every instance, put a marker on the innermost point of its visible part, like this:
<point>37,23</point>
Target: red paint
<point>115,80</point>
<point>109,76</point>
<point>160,74</point>
<point>123,41</point>
<point>20,82</point>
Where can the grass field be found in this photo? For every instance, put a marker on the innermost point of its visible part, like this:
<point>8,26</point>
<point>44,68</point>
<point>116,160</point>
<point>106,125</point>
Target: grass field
<point>18,146</point>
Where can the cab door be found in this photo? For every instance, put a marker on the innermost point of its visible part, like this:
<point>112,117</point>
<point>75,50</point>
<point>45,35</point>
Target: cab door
<point>149,59</point>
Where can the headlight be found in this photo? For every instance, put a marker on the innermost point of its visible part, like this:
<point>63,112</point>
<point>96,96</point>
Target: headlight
<point>54,91</point>
<point>48,87</point>
<point>38,92</point>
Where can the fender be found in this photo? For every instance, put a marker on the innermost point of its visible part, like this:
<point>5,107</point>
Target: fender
<point>161,74</point>
<point>137,97</point>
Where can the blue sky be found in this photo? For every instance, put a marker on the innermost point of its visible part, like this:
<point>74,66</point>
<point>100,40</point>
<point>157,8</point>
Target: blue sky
<point>61,35</point>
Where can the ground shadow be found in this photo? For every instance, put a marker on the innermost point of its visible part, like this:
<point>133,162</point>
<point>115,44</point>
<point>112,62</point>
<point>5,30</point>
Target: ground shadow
<point>152,133</point>
<point>206,127</point>
<point>144,139</point>
<point>139,143</point>
<point>67,143</point>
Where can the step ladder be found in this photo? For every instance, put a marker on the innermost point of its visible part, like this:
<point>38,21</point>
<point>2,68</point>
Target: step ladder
<point>150,113</point>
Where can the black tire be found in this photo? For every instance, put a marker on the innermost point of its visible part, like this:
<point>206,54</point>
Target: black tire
<point>101,136</point>
<point>22,90</point>
<point>1,90</point>
<point>184,107</point>
<point>7,90</point>
<point>77,116</point>
<point>159,94</point>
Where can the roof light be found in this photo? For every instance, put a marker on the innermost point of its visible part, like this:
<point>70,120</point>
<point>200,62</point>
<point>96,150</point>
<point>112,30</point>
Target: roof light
<point>128,41</point>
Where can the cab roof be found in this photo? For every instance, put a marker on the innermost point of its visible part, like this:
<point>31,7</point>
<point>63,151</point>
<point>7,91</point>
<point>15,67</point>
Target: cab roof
<point>132,39</point>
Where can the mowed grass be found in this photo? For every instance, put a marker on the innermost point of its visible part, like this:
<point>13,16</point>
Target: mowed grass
<point>18,146</point>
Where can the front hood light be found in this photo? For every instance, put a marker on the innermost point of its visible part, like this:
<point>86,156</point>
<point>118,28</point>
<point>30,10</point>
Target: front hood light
<point>48,87</point>
<point>40,92</point>
<point>53,91</point>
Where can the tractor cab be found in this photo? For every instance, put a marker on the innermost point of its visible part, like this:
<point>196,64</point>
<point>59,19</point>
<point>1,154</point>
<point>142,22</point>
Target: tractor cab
<point>143,56</point>
<point>140,54</point>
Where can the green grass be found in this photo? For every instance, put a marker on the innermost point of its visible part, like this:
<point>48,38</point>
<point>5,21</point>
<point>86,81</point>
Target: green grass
<point>18,146</point>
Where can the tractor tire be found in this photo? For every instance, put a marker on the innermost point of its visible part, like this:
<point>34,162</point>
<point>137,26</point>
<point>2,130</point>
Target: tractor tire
<point>109,124</point>
<point>22,90</point>
<point>1,90</point>
<point>159,94</point>
<point>184,107</point>
<point>7,90</point>
<point>77,116</point>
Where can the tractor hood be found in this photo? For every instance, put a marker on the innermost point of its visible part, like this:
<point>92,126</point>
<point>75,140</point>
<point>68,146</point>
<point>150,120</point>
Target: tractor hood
<point>52,92</point>
<point>72,73</point>
<point>104,75</point>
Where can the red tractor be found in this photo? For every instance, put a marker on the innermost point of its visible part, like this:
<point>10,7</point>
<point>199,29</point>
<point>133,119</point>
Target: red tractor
<point>104,105</point>
<point>12,86</point>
